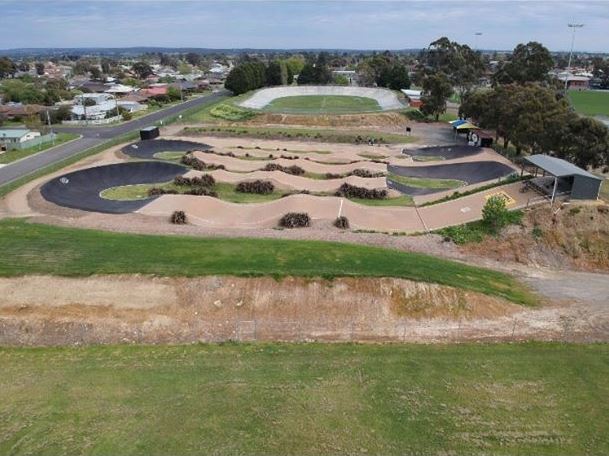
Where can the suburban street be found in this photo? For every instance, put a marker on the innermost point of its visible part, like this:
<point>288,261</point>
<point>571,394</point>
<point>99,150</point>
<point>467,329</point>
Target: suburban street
<point>93,136</point>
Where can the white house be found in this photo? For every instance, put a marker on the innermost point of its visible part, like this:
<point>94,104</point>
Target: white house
<point>17,135</point>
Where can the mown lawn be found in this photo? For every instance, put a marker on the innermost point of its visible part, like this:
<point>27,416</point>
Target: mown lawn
<point>590,102</point>
<point>308,399</point>
<point>42,249</point>
<point>14,155</point>
<point>322,104</point>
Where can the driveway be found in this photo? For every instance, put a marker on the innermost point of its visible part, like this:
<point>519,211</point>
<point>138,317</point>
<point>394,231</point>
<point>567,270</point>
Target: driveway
<point>93,136</point>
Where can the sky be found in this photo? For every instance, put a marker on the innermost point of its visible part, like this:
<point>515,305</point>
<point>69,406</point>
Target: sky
<point>302,24</point>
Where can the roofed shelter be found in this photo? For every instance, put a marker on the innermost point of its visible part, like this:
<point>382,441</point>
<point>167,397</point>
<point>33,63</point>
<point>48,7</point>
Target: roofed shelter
<point>559,177</point>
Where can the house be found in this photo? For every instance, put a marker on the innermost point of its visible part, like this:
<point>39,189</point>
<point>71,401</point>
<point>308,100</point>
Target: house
<point>22,138</point>
<point>13,111</point>
<point>154,90</point>
<point>574,81</point>
<point>120,89</point>
<point>94,106</point>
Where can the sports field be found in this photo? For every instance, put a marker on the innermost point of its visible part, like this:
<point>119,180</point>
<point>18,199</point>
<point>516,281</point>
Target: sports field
<point>590,102</point>
<point>323,104</point>
<point>306,399</point>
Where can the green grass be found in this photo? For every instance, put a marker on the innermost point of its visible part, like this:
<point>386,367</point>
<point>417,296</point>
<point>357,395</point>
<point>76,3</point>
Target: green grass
<point>404,200</point>
<point>41,249</point>
<point>169,156</point>
<point>474,232</point>
<point>420,182</point>
<point>215,113</point>
<point>226,192</point>
<point>590,102</point>
<point>230,112</point>
<point>322,104</point>
<point>308,399</point>
<point>327,135</point>
<point>13,155</point>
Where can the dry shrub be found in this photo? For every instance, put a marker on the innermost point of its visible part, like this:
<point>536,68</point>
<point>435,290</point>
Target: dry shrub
<point>366,173</point>
<point>342,222</point>
<point>157,191</point>
<point>178,218</point>
<point>294,170</point>
<point>352,191</point>
<point>295,220</point>
<point>258,186</point>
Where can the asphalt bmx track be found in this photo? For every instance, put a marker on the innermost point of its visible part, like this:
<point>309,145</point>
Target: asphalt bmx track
<point>81,189</point>
<point>148,148</point>
<point>468,172</point>
<point>444,152</point>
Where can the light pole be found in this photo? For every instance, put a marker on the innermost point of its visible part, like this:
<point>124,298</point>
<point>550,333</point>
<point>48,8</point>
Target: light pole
<point>573,27</point>
<point>476,35</point>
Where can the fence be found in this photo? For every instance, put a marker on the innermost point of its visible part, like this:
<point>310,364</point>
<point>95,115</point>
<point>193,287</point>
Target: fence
<point>38,140</point>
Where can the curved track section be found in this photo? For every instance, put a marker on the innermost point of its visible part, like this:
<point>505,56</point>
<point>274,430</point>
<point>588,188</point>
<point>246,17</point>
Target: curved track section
<point>470,172</point>
<point>386,99</point>
<point>81,189</point>
<point>240,165</point>
<point>446,152</point>
<point>147,148</point>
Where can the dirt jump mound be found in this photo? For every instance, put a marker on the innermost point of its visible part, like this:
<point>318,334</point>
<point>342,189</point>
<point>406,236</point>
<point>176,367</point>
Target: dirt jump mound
<point>82,189</point>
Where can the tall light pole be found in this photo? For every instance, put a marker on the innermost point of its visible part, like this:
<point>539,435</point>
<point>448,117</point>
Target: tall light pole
<point>573,27</point>
<point>476,35</point>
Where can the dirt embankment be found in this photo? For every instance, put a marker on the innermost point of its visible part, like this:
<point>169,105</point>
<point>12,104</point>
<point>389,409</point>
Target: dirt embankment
<point>383,120</point>
<point>570,237</point>
<point>43,310</point>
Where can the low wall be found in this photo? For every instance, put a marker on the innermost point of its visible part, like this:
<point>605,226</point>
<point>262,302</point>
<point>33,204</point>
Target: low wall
<point>109,120</point>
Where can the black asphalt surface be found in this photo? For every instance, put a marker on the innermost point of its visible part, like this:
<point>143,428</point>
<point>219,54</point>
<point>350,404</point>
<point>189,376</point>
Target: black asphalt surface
<point>93,136</point>
<point>81,189</point>
<point>471,173</point>
<point>146,149</point>
<point>446,152</point>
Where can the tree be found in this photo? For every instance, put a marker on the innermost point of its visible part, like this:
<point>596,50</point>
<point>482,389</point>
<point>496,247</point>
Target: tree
<point>436,90</point>
<point>397,77</point>
<point>40,68</point>
<point>142,69</point>
<point>495,214</point>
<point>173,93</point>
<point>462,65</point>
<point>585,142</point>
<point>7,68</point>
<point>341,80</point>
<point>273,74</point>
<point>193,58</point>
<point>601,71</point>
<point>295,63</point>
<point>23,66</point>
<point>95,72</point>
<point>307,75</point>
<point>529,62</point>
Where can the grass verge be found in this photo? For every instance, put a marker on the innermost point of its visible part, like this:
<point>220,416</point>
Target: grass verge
<point>14,155</point>
<point>42,249</point>
<point>322,104</point>
<point>475,231</point>
<point>306,399</point>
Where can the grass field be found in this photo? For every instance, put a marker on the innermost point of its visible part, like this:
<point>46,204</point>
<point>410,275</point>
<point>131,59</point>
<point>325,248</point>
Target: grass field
<point>590,102</point>
<point>309,134</point>
<point>322,104</point>
<point>605,190</point>
<point>307,399</point>
<point>421,182</point>
<point>43,249</point>
<point>13,155</point>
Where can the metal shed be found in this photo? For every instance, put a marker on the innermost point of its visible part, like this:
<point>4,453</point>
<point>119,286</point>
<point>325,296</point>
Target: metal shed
<point>559,177</point>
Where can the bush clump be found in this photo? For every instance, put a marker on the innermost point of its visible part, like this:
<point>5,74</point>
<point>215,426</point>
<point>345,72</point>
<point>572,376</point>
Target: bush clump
<point>158,191</point>
<point>352,191</point>
<point>295,220</point>
<point>201,191</point>
<point>258,186</point>
<point>342,222</point>
<point>294,170</point>
<point>199,165</point>
<point>366,173</point>
<point>178,218</point>
<point>205,180</point>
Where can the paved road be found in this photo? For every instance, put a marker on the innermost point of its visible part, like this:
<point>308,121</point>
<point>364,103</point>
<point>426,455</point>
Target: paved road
<point>93,136</point>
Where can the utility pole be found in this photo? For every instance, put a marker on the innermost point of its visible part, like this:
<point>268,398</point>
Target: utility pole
<point>50,128</point>
<point>573,27</point>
